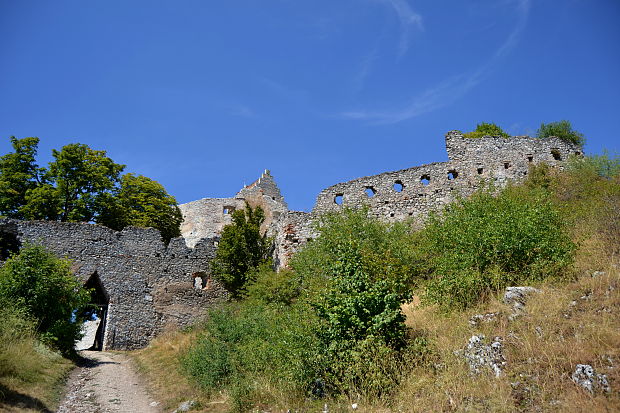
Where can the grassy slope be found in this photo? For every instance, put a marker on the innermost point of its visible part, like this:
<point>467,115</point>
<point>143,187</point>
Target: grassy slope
<point>37,379</point>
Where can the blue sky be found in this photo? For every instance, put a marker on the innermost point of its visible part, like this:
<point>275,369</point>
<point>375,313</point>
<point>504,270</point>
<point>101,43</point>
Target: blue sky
<point>202,95</point>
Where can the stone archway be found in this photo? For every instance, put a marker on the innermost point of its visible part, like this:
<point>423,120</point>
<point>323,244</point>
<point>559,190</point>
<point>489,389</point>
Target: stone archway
<point>97,315</point>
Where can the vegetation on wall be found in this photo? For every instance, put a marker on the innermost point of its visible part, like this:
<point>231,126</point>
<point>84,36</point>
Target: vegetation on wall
<point>82,185</point>
<point>563,130</point>
<point>486,129</point>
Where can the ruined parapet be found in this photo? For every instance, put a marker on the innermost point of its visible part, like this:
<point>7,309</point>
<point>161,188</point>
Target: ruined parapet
<point>414,192</point>
<point>147,285</point>
<point>205,218</point>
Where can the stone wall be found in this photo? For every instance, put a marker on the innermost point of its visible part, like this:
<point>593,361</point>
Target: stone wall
<point>414,192</point>
<point>149,286</point>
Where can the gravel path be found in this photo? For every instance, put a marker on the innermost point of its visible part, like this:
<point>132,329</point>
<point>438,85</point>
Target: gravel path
<point>106,382</point>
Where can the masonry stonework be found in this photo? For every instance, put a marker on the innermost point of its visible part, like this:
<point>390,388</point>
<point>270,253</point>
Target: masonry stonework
<point>149,287</point>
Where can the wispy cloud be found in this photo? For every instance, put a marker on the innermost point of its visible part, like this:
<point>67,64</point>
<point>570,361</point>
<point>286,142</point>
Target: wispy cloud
<point>409,20</point>
<point>243,111</point>
<point>359,79</point>
<point>452,88</point>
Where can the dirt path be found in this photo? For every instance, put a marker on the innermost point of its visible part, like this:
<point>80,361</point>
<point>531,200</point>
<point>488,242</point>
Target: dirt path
<point>106,382</point>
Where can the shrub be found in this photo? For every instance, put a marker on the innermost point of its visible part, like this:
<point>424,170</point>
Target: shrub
<point>269,286</point>
<point>562,130</point>
<point>249,342</point>
<point>43,285</point>
<point>362,328</point>
<point>484,243</point>
<point>486,129</point>
<point>355,275</point>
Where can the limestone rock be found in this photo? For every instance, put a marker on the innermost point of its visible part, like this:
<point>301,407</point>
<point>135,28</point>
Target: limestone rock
<point>481,356</point>
<point>516,297</point>
<point>586,377</point>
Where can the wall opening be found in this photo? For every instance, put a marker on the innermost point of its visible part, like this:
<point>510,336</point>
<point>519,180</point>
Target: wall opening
<point>338,199</point>
<point>228,210</point>
<point>9,243</point>
<point>398,186</point>
<point>480,170</point>
<point>530,158</point>
<point>506,165</point>
<point>96,315</point>
<point>452,174</point>
<point>555,152</point>
<point>425,179</point>
<point>201,280</point>
<point>370,191</point>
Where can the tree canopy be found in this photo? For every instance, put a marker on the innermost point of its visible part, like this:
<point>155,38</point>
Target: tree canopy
<point>82,185</point>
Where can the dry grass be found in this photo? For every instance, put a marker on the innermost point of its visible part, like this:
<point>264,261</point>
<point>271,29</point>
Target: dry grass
<point>565,325</point>
<point>159,363</point>
<point>37,379</point>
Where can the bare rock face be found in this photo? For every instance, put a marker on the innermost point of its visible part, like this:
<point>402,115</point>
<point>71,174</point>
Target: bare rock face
<point>477,319</point>
<point>516,297</point>
<point>481,356</point>
<point>586,377</point>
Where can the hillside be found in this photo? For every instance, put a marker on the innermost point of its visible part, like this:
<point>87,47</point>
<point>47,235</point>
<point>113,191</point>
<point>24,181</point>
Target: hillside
<point>468,343</point>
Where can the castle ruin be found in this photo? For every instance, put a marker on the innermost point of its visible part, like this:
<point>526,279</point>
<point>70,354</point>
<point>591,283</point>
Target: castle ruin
<point>144,287</point>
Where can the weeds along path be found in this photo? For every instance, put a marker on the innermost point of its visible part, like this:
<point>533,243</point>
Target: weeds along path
<point>106,382</point>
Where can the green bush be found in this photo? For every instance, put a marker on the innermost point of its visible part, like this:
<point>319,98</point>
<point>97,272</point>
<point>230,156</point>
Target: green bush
<point>249,342</point>
<point>355,276</point>
<point>562,130</point>
<point>43,285</point>
<point>486,129</point>
<point>362,326</point>
<point>269,286</point>
<point>482,244</point>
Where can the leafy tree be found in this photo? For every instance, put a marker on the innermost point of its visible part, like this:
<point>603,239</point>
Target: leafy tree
<point>486,129</point>
<point>19,174</point>
<point>83,179</point>
<point>42,284</point>
<point>562,130</point>
<point>142,202</point>
<point>241,249</point>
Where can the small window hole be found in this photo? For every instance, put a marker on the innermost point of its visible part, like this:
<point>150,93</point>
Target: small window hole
<point>228,210</point>
<point>506,165</point>
<point>398,186</point>
<point>556,154</point>
<point>452,174</point>
<point>370,191</point>
<point>480,170</point>
<point>425,179</point>
<point>338,199</point>
<point>530,158</point>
